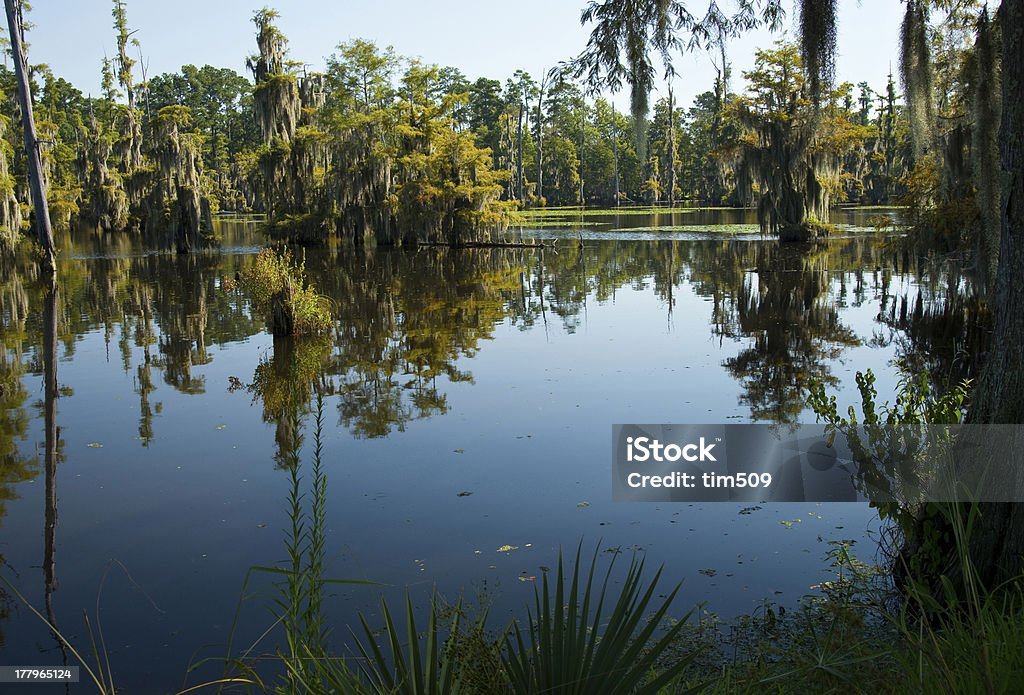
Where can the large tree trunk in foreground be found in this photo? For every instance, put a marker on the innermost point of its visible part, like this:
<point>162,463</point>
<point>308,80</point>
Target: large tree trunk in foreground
<point>997,542</point>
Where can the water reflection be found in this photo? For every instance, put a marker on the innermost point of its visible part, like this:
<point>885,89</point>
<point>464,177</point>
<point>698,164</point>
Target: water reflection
<point>53,455</point>
<point>415,331</point>
<point>784,306</point>
<point>284,383</point>
<point>404,323</point>
<point>407,321</point>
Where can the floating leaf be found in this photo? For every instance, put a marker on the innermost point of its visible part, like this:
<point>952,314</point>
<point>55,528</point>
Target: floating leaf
<point>95,445</point>
<point>584,503</point>
<point>708,571</point>
<point>530,578</point>
<point>458,451</point>
<point>507,548</point>
<point>220,427</point>
<point>464,493</point>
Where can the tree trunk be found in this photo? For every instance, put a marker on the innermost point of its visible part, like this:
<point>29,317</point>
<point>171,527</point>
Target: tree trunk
<point>35,170</point>
<point>583,139</point>
<point>519,156</point>
<point>998,398</point>
<point>540,145</point>
<point>997,545</point>
<point>615,155</point>
<point>671,152</point>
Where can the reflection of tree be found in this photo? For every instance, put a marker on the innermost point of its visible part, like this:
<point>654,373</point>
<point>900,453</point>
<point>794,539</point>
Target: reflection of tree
<point>407,321</point>
<point>284,383</point>
<point>166,310</point>
<point>941,323</point>
<point>53,455</point>
<point>404,322</point>
<point>14,422</point>
<point>19,334</point>
<point>20,338</point>
<point>786,309</point>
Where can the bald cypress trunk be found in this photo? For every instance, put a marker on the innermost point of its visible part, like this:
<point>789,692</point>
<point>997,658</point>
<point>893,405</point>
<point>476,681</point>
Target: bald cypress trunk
<point>997,543</point>
<point>986,109</point>
<point>35,169</point>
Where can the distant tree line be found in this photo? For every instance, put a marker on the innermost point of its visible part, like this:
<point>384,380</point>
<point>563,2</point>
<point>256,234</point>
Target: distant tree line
<point>388,148</point>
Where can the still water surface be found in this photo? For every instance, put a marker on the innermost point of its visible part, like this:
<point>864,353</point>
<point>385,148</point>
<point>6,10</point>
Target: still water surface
<point>468,403</point>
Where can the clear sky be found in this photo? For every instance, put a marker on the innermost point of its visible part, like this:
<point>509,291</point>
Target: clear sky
<point>483,38</point>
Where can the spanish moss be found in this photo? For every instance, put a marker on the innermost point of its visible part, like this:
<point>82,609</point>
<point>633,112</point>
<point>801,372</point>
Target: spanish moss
<point>916,75</point>
<point>818,32</point>
<point>10,210</point>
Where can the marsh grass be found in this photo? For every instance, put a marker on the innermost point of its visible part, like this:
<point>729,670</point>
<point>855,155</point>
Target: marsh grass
<point>307,660</point>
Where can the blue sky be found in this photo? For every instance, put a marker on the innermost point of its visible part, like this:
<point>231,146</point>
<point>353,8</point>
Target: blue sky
<point>483,38</point>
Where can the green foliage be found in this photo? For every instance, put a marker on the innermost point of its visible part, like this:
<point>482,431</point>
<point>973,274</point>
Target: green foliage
<point>879,435</point>
<point>404,665</point>
<point>980,650</point>
<point>790,149</point>
<point>308,665</point>
<point>571,646</point>
<point>276,285</point>
<point>220,101</point>
<point>891,453</point>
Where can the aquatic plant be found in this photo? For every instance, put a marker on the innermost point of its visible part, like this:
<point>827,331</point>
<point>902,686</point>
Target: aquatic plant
<point>276,286</point>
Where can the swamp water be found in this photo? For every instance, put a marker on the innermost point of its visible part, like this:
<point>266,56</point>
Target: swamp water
<point>468,401</point>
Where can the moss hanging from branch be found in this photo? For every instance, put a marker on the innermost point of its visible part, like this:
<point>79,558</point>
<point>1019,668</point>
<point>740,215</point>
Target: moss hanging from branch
<point>290,169</point>
<point>124,63</point>
<point>450,194</point>
<point>106,203</point>
<point>369,161</point>
<point>916,75</point>
<point>818,35</point>
<point>362,185</point>
<point>276,95</point>
<point>791,150</point>
<point>10,210</point>
<point>178,211</point>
